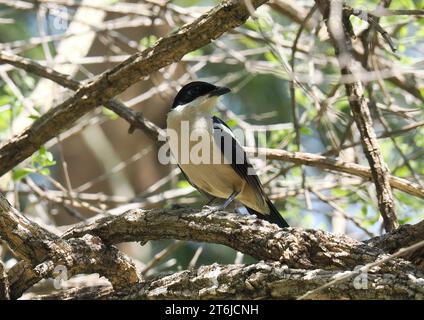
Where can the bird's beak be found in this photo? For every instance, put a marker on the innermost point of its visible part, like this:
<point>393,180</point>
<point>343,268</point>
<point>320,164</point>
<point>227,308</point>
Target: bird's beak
<point>219,91</point>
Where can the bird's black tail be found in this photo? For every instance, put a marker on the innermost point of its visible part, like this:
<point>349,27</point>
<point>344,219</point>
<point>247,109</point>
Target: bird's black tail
<point>274,216</point>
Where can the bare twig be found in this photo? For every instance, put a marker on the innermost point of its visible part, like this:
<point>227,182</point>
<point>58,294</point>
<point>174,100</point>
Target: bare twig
<point>159,257</point>
<point>336,165</point>
<point>336,23</point>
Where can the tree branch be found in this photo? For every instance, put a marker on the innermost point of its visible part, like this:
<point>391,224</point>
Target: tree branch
<point>339,29</point>
<point>297,248</point>
<point>4,284</point>
<point>39,70</point>
<point>225,16</point>
<point>23,276</point>
<point>338,165</point>
<point>44,250</point>
<point>87,248</point>
<point>135,119</point>
<point>404,236</point>
<point>257,281</point>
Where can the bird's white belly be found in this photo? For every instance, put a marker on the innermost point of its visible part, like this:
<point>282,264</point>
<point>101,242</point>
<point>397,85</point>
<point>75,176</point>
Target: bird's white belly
<point>201,159</point>
<point>218,180</point>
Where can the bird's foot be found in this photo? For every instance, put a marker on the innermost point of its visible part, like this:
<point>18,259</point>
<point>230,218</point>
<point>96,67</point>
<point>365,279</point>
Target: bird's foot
<point>211,209</point>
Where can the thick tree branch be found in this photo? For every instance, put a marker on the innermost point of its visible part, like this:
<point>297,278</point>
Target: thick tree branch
<point>4,284</point>
<point>402,237</point>
<point>23,276</point>
<point>43,250</point>
<point>26,239</point>
<point>257,281</point>
<point>339,29</point>
<point>297,248</point>
<point>225,16</point>
<point>88,249</point>
<point>135,119</point>
<point>81,293</point>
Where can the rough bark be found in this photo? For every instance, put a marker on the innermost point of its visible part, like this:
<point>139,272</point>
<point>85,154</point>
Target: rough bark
<point>257,281</point>
<point>88,249</point>
<point>297,248</point>
<point>43,251</point>
<point>404,236</point>
<point>4,284</point>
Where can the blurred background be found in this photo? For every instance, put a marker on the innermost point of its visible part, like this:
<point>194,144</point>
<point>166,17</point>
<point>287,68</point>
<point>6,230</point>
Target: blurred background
<point>98,168</point>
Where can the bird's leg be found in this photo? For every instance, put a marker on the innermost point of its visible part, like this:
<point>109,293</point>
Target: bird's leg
<point>211,200</point>
<point>222,206</point>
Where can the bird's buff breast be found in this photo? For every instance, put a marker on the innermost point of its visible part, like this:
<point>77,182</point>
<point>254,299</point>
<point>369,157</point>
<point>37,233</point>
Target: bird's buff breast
<point>199,157</point>
<point>202,160</point>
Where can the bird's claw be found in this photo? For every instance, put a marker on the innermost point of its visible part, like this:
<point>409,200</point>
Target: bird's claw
<point>211,209</point>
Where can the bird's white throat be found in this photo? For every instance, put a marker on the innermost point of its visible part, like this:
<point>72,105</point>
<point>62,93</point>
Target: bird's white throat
<point>190,130</point>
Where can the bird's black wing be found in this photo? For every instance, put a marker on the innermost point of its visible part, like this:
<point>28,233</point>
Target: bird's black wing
<point>235,154</point>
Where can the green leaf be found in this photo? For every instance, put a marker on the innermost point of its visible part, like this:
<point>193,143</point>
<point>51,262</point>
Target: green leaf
<point>195,53</point>
<point>232,123</point>
<point>20,173</point>
<point>109,113</point>
<point>271,58</point>
<point>43,158</point>
<point>364,211</point>
<point>337,192</point>
<point>182,184</point>
<point>44,171</point>
<point>34,116</point>
<point>306,131</point>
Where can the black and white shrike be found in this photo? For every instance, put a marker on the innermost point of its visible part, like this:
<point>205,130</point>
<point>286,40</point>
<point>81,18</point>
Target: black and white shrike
<point>223,170</point>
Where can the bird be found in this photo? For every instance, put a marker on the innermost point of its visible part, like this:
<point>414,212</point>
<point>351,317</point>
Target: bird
<point>217,166</point>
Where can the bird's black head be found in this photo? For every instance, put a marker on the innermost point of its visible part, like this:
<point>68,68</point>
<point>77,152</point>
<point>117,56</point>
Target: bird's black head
<point>195,90</point>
